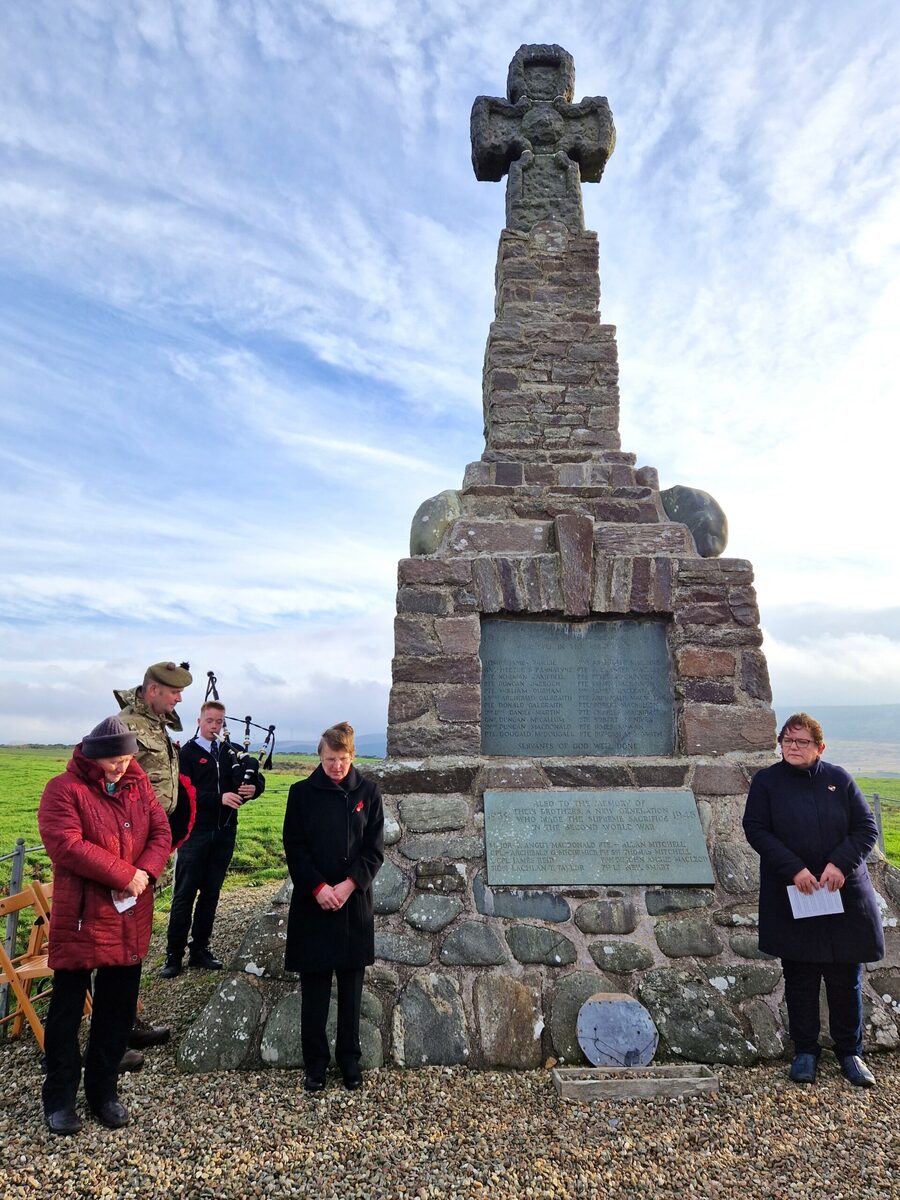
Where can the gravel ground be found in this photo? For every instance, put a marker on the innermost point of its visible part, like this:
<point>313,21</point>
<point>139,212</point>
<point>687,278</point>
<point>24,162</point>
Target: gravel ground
<point>442,1132</point>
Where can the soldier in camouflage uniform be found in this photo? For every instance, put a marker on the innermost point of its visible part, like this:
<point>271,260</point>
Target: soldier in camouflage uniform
<point>149,711</point>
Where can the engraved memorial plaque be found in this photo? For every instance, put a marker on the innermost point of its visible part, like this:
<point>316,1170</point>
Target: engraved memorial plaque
<point>594,837</point>
<point>565,688</point>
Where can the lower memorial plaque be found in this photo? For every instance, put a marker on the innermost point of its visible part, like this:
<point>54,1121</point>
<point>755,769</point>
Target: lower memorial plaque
<point>594,837</point>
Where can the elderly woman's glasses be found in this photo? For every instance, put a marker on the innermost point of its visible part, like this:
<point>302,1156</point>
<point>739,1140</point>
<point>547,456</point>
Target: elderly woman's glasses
<point>802,743</point>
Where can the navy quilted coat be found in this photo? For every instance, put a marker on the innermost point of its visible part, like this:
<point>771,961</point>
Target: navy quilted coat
<point>795,818</point>
<point>95,843</point>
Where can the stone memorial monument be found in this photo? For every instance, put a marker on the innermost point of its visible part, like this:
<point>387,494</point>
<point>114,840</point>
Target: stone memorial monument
<point>579,702</point>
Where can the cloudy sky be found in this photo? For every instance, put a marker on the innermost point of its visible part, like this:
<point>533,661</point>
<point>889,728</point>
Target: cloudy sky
<point>247,280</point>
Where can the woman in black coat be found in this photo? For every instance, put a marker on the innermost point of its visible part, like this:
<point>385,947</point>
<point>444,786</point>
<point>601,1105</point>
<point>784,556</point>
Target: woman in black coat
<point>812,829</point>
<point>334,845</point>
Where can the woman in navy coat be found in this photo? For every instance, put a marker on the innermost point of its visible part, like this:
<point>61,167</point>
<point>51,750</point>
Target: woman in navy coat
<point>812,828</point>
<point>334,845</point>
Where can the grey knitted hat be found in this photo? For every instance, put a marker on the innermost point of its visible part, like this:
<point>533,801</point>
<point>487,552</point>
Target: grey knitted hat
<point>110,739</point>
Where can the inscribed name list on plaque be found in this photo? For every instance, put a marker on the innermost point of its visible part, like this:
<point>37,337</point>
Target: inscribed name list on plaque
<point>594,837</point>
<point>586,687</point>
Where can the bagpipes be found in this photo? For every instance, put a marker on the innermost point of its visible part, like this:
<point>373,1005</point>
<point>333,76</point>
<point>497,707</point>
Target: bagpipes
<point>251,763</point>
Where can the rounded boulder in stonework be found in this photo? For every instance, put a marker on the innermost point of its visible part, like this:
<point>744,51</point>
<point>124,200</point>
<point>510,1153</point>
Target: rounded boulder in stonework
<point>661,901</point>
<point>740,981</point>
<point>615,1030</point>
<point>534,944</point>
<point>768,1034</point>
<point>687,937</point>
<point>746,944</point>
<point>703,516</point>
<point>434,814</point>
<point>736,867</point>
<point>261,953</point>
<point>429,1024</point>
<point>472,944</point>
<point>280,1043</point>
<point>390,889</point>
<point>510,1021</point>
<point>568,996</point>
<point>391,830</point>
<point>432,519</point>
<point>284,893</point>
<point>224,1036</point>
<point>518,903</point>
<point>738,916</point>
<point>432,913</point>
<point>620,957</point>
<point>606,916</point>
<point>693,1020</point>
<point>402,948</point>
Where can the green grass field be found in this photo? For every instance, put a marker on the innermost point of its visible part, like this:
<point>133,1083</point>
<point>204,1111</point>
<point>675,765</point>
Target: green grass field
<point>258,857</point>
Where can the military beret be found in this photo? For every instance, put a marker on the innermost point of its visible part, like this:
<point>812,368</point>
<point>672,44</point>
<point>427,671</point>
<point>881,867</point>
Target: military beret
<point>169,674</point>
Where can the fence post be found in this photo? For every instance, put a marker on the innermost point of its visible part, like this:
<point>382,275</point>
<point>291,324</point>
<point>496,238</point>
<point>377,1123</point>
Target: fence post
<point>876,806</point>
<point>12,921</point>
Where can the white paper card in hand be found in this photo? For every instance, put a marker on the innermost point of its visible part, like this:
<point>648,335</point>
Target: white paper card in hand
<point>819,904</point>
<point>123,902</point>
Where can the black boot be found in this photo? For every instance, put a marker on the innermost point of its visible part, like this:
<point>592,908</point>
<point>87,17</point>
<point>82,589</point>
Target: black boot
<point>171,967</point>
<point>200,956</point>
<point>144,1034</point>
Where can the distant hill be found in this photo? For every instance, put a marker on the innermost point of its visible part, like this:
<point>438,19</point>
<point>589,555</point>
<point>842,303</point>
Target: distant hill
<point>852,723</point>
<point>368,745</point>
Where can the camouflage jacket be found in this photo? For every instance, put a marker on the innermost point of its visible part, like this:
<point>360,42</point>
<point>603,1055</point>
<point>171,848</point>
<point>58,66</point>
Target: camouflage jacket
<point>157,753</point>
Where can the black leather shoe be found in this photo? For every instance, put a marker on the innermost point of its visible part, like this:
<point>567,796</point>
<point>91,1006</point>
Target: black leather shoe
<point>856,1071</point>
<point>144,1034</point>
<point>803,1068</point>
<point>314,1083</point>
<point>353,1082</point>
<point>171,967</point>
<point>112,1114</point>
<point>131,1060</point>
<point>64,1121</point>
<point>202,958</point>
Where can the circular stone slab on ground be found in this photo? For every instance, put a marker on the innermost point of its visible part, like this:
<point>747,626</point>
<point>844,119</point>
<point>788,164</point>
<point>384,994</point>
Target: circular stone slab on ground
<point>615,1030</point>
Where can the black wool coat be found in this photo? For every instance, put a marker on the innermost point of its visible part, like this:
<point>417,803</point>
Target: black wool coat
<point>798,818</point>
<point>332,832</point>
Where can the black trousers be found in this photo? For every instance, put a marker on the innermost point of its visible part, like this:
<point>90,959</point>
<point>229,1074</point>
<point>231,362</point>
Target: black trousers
<point>843,988</point>
<point>201,865</point>
<point>315,995</point>
<point>115,993</point>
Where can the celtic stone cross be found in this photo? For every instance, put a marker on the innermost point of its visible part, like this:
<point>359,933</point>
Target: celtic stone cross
<point>546,143</point>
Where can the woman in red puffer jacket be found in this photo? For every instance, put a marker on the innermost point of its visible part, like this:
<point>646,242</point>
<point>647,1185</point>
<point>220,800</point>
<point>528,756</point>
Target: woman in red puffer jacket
<point>109,840</point>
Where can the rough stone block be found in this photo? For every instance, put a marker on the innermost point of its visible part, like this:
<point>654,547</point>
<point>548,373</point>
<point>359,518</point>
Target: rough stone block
<point>766,1029</point>
<point>740,981</point>
<point>738,916</point>
<point>439,877</point>
<point>693,1020</point>
<point>280,1042</point>
<point>671,900</point>
<point>688,937</point>
<point>431,914</point>
<point>515,903</point>
<point>660,775</point>
<point>224,1036</point>
<point>408,703</point>
<point>736,867</point>
<point>755,675</point>
<point>458,636</point>
<point>430,1023</point>
<point>399,778</point>
<point>421,741</point>
<point>464,669</point>
<point>426,813</point>
<point>449,846</point>
<point>414,635</point>
<point>261,951</point>
<point>642,539</point>
<point>712,729</point>
<point>581,775</point>
<point>402,948</point>
<point>472,944</point>
<point>621,958</point>
<point>487,585</point>
<point>708,691</point>
<point>719,779</point>
<point>390,888</point>
<point>746,945</point>
<point>510,776</point>
<point>698,662</point>
<point>461,703</point>
<point>534,944</point>
<point>568,997</point>
<point>499,537</point>
<point>509,1018</point>
<point>423,600</point>
<point>575,540</point>
<point>606,916</point>
<point>434,570</point>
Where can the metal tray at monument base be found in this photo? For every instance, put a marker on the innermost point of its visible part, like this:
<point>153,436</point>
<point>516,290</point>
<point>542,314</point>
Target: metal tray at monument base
<point>622,1083</point>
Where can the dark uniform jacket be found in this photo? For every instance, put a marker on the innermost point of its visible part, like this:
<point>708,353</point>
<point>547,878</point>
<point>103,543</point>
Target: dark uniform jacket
<point>211,779</point>
<point>332,832</point>
<point>796,818</point>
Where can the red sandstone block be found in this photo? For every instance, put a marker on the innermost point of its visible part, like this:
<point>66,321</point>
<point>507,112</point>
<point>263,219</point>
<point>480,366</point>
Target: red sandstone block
<point>699,662</point>
<point>715,729</point>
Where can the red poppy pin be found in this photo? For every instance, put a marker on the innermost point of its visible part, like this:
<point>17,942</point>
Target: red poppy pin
<point>359,807</point>
<point>203,760</point>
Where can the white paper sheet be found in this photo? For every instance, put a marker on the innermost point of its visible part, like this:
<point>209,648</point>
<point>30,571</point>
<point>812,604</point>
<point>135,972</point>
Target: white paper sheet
<point>819,904</point>
<point>123,902</point>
